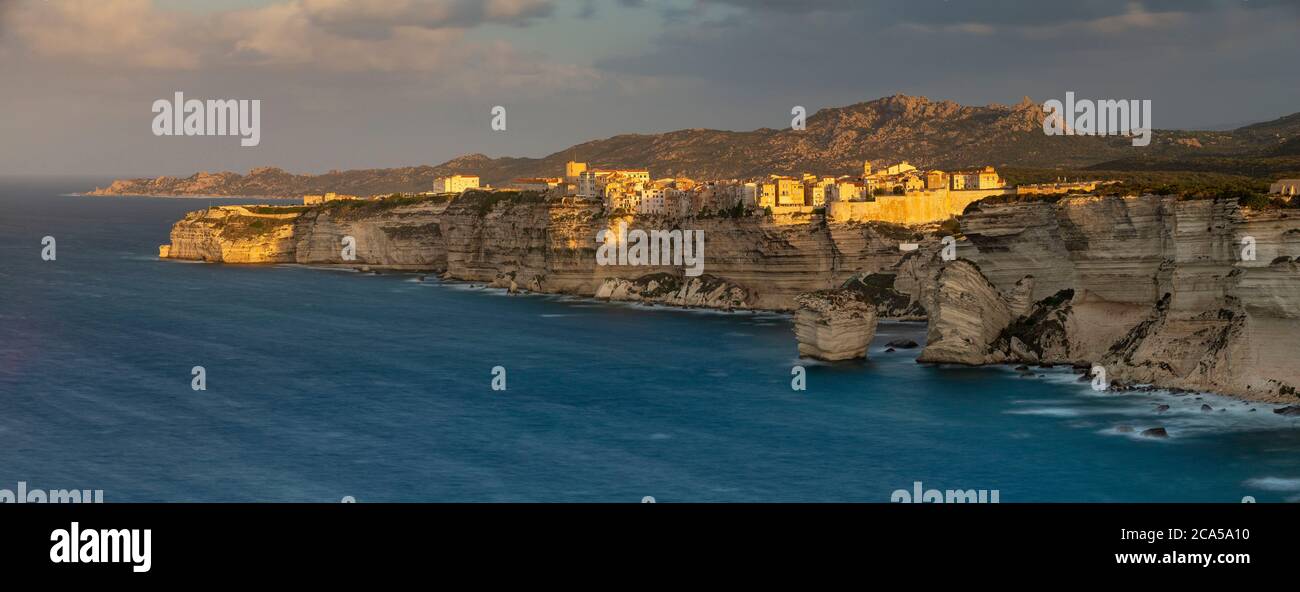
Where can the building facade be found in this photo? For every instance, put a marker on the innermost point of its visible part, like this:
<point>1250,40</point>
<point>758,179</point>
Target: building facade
<point>455,183</point>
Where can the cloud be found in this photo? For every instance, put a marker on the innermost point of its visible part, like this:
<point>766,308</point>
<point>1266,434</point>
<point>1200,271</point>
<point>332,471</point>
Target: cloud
<point>366,17</point>
<point>102,32</point>
<point>426,39</point>
<point>1135,19</point>
<point>979,17</point>
<point>865,38</point>
<point>309,33</point>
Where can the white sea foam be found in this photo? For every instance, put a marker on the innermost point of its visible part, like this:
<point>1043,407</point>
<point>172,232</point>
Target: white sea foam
<point>1050,411</point>
<point>342,268</point>
<point>1274,483</point>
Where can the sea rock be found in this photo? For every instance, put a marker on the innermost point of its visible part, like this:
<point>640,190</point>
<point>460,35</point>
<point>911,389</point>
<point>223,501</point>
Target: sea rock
<point>834,324</point>
<point>1289,410</point>
<point>1020,351</point>
<point>1205,408</point>
<point>902,344</point>
<point>666,288</point>
<point>1155,433</point>
<point>1162,408</point>
<point>966,314</point>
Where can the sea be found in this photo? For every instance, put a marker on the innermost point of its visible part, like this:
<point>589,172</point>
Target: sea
<point>326,385</point>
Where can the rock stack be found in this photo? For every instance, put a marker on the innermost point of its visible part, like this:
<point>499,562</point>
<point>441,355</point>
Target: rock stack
<point>834,324</point>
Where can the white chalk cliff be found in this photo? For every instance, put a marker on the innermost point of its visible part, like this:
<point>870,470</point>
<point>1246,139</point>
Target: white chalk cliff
<point>1154,289</point>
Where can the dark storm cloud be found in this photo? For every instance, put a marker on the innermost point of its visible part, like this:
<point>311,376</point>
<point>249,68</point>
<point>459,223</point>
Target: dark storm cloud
<point>1198,56</point>
<point>350,83</point>
<point>1022,12</point>
<point>362,21</point>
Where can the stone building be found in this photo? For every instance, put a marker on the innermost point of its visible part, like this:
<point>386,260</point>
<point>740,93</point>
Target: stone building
<point>1285,187</point>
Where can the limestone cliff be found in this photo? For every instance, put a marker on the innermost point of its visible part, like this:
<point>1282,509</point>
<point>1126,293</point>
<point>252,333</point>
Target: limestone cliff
<point>1190,294</point>
<point>1155,290</point>
<point>966,315</point>
<point>233,234</point>
<point>834,325</point>
<point>527,241</point>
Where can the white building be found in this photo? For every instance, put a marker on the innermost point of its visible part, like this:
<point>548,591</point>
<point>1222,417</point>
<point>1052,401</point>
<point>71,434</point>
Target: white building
<point>455,183</point>
<point>652,200</point>
<point>749,194</point>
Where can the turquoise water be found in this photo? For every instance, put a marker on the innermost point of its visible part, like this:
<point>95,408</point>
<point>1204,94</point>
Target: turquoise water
<point>323,384</point>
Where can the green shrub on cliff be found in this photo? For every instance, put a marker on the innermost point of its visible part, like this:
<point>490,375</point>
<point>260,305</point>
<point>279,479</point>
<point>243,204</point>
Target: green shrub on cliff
<point>1045,318</point>
<point>1256,201</point>
<point>244,227</point>
<point>277,209</point>
<point>360,208</point>
<point>950,227</point>
<point>893,231</point>
<point>483,201</point>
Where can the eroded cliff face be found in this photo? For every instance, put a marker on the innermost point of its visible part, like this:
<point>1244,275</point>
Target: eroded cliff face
<point>966,315</point>
<point>525,241</point>
<point>403,236</point>
<point>705,291</point>
<point>1155,290</point>
<point>233,234</point>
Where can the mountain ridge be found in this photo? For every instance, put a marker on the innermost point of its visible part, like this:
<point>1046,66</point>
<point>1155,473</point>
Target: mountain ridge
<point>930,134</point>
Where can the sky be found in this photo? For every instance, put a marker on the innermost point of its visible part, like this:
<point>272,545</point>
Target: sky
<point>381,83</point>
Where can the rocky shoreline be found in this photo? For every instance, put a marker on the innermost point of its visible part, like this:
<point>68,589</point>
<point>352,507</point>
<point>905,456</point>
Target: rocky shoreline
<point>1151,288</point>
